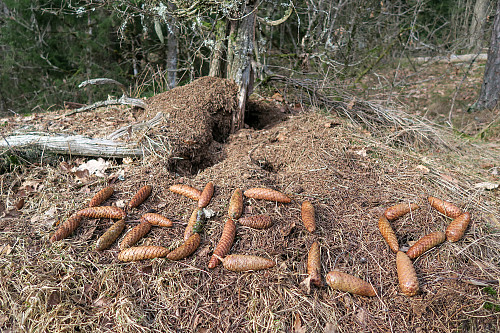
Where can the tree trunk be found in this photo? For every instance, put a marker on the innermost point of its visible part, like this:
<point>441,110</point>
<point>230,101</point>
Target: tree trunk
<point>172,50</point>
<point>476,28</point>
<point>217,54</point>
<point>490,90</point>
<point>240,66</point>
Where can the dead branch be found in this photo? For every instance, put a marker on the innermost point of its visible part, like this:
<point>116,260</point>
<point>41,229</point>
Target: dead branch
<point>134,127</point>
<point>69,144</point>
<point>452,59</point>
<point>124,100</point>
<point>103,81</point>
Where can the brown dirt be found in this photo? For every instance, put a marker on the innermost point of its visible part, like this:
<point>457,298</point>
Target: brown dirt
<point>348,175</point>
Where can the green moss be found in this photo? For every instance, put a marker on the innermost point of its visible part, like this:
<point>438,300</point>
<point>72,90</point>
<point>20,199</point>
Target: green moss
<point>491,306</point>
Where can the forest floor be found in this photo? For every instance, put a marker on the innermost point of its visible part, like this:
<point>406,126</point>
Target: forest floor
<point>350,174</point>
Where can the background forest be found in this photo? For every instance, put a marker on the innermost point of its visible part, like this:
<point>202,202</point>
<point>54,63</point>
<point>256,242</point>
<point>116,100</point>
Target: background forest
<point>48,47</point>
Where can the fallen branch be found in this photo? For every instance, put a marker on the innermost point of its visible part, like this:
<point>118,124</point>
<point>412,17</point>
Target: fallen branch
<point>103,81</point>
<point>70,145</point>
<point>134,127</point>
<point>452,59</point>
<point>124,100</point>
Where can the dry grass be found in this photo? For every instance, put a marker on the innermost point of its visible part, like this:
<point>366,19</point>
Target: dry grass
<point>350,175</point>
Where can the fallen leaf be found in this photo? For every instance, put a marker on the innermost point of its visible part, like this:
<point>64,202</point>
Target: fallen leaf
<point>297,324</point>
<point>287,230</point>
<point>208,212</point>
<point>281,137</point>
<point>5,249</point>
<point>147,269</point>
<point>351,104</point>
<point>331,124</point>
<point>361,152</point>
<point>103,302</point>
<point>20,204</point>
<point>204,251</point>
<point>277,97</point>
<point>52,211</point>
<point>306,284</point>
<point>82,174</point>
<point>120,203</point>
<point>12,213</point>
<point>449,178</point>
<point>422,168</point>
<point>65,166</point>
<point>31,185</point>
<point>53,299</point>
<point>94,167</point>
<point>486,185</point>
<point>361,316</point>
<point>331,328</point>
<point>127,160</point>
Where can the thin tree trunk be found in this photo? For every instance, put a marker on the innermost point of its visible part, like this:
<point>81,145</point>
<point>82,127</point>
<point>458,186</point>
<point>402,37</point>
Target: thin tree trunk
<point>478,21</point>
<point>241,64</point>
<point>490,90</point>
<point>172,50</point>
<point>216,60</point>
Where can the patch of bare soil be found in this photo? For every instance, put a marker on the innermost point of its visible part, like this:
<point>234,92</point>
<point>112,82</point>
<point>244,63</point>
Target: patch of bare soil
<point>348,175</point>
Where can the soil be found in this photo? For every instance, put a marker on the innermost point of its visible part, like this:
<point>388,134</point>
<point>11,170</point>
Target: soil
<point>349,176</point>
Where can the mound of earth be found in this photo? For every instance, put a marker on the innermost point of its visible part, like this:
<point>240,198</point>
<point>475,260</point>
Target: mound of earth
<point>197,119</point>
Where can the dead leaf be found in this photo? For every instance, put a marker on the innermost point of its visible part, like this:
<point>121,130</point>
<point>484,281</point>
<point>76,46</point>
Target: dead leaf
<point>297,324</point>
<point>52,211</point>
<point>331,328</point>
<point>82,174</point>
<point>31,185</point>
<point>277,97</point>
<point>147,269</point>
<point>493,220</point>
<point>281,137</point>
<point>20,204</point>
<point>422,168</point>
<point>361,152</point>
<point>449,178</point>
<point>361,316</point>
<point>331,124</point>
<point>5,249</point>
<point>306,283</point>
<point>351,104</point>
<point>298,107</point>
<point>103,302</point>
<point>204,251</point>
<point>53,299</point>
<point>486,185</point>
<point>64,166</point>
<point>120,203</point>
<point>287,230</point>
<point>94,167</point>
